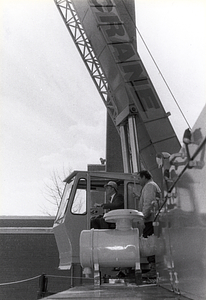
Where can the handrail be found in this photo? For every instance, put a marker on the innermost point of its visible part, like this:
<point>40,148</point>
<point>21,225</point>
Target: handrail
<point>20,281</point>
<point>38,276</point>
<point>187,166</point>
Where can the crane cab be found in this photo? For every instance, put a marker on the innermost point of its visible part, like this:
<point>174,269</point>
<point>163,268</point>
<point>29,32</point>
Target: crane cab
<point>82,190</point>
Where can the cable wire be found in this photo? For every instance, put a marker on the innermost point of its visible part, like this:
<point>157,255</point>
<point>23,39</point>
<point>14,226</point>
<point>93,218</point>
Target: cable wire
<point>156,65</point>
<point>69,277</point>
<point>38,276</point>
<point>19,281</point>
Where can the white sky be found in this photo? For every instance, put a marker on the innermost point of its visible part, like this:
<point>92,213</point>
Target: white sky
<point>51,114</point>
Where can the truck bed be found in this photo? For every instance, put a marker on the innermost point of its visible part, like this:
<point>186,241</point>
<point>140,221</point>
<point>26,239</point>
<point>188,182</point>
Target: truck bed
<point>117,291</point>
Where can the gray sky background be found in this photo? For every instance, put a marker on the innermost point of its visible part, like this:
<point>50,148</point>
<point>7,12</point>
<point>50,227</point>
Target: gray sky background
<point>51,114</point>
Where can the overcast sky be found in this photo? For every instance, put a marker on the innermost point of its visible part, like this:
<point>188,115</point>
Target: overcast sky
<point>51,114</point>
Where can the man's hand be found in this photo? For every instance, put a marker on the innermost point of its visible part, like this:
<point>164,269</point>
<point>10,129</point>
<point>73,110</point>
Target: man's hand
<point>97,204</point>
<point>96,209</point>
<point>136,195</point>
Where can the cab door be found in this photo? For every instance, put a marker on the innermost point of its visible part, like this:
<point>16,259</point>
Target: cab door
<point>72,220</point>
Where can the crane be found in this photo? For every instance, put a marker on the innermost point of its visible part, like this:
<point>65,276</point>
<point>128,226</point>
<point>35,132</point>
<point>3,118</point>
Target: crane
<point>104,33</point>
<point>107,45</point>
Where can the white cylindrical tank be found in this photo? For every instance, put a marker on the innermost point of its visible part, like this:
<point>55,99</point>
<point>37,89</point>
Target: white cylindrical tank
<point>109,248</point>
<point>112,247</point>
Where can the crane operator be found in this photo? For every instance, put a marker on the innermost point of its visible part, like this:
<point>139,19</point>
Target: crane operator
<point>116,201</point>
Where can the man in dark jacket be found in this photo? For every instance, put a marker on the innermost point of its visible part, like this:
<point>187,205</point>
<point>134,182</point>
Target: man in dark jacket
<point>115,201</point>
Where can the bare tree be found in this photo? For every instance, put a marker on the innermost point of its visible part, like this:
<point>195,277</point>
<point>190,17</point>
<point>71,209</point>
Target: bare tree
<point>53,191</point>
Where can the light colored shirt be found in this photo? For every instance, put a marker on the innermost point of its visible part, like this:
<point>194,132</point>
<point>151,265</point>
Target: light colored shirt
<point>111,198</point>
<point>148,195</point>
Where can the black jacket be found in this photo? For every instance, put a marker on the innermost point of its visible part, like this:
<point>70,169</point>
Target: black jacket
<point>117,203</point>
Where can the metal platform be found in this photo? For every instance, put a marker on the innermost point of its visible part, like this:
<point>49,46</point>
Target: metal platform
<point>117,291</point>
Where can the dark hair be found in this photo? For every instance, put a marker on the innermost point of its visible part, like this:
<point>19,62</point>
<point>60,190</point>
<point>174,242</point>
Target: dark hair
<point>145,173</point>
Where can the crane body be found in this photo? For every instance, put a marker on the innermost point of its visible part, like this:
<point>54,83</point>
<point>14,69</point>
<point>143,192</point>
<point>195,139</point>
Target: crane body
<point>103,32</point>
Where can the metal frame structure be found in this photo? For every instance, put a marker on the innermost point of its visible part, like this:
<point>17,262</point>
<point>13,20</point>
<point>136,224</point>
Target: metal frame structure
<point>131,99</point>
<point>84,47</point>
<point>130,157</point>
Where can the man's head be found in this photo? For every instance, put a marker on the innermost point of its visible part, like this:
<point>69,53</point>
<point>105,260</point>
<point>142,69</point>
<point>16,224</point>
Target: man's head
<point>111,188</point>
<point>143,177</point>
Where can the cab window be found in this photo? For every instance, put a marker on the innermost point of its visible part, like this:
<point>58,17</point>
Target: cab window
<point>133,191</point>
<point>79,202</point>
<point>64,203</point>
